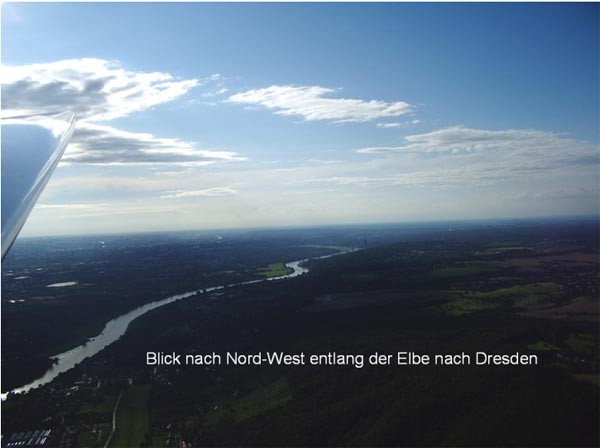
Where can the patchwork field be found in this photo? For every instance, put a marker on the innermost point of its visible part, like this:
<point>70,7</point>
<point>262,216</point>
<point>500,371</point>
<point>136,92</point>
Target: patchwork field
<point>532,296</point>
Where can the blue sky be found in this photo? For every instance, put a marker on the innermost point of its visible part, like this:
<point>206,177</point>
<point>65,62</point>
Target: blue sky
<point>251,115</point>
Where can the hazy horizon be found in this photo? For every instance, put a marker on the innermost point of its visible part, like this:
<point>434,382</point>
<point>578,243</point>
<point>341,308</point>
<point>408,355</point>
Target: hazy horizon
<point>359,225</point>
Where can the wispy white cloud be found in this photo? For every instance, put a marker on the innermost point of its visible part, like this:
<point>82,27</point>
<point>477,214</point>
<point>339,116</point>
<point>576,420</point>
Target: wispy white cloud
<point>389,125</point>
<point>405,124</point>
<point>324,161</point>
<point>216,191</point>
<point>213,93</point>
<point>435,177</point>
<point>313,103</point>
<point>105,145</point>
<point>98,90</point>
<point>94,89</point>
<point>347,180</point>
<point>459,156</point>
<point>87,206</point>
<point>459,139</point>
<point>558,193</point>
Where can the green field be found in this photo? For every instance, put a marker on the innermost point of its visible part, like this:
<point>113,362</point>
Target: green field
<point>533,296</point>
<point>274,270</point>
<point>159,438</point>
<point>459,272</point>
<point>532,289</point>
<point>269,397</point>
<point>461,306</point>
<point>132,417</point>
<point>542,346</point>
<point>592,378</point>
<point>503,244</point>
<point>508,248</point>
<point>581,343</point>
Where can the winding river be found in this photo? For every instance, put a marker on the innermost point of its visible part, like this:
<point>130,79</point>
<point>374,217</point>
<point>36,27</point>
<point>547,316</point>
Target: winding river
<point>117,327</point>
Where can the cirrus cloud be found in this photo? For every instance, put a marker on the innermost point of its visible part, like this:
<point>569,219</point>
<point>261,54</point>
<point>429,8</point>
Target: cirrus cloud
<point>215,191</point>
<point>312,103</point>
<point>460,139</point>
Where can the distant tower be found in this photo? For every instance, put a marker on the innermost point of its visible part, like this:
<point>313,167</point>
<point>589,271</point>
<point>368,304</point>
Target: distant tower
<point>365,239</point>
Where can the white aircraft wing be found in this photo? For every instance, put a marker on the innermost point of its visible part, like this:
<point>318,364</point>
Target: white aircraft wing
<point>31,148</point>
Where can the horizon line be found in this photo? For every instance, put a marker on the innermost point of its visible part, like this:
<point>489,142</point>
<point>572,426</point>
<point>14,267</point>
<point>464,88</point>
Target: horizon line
<point>578,217</point>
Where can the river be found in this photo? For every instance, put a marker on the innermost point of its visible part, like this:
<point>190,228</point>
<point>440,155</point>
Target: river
<point>117,327</point>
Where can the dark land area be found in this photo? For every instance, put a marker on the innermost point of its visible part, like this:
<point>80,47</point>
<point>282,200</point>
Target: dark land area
<point>527,286</point>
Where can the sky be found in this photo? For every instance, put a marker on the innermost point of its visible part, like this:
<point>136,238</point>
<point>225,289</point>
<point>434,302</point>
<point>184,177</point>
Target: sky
<point>214,116</point>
